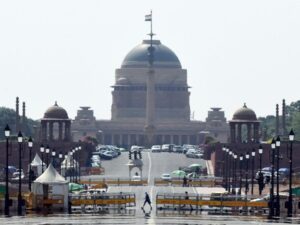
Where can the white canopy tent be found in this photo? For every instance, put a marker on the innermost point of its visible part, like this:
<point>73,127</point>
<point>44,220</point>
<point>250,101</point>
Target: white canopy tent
<point>57,185</point>
<point>38,163</point>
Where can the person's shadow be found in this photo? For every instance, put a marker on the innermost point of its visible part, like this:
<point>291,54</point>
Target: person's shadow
<point>147,215</point>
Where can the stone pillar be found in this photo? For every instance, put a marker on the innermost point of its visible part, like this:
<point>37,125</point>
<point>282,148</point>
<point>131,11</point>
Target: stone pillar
<point>68,131</point>
<point>171,139</point>
<point>180,139</point>
<point>189,139</point>
<point>121,140</point>
<point>256,132</point>
<point>129,140</point>
<point>163,139</point>
<point>50,130</point>
<point>239,135</point>
<point>60,130</point>
<point>232,133</point>
<point>249,131</point>
<point>150,106</point>
<point>44,131</point>
<point>112,139</point>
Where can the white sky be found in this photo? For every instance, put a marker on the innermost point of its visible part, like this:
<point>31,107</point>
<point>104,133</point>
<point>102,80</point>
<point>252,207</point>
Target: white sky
<point>234,51</point>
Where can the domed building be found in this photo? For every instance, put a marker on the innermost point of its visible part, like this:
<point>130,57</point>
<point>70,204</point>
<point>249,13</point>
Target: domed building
<point>244,118</point>
<point>165,103</point>
<point>55,125</point>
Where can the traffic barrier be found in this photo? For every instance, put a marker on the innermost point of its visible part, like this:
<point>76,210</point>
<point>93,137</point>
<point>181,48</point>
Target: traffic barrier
<point>115,182</point>
<point>96,200</point>
<point>176,201</point>
<point>192,183</point>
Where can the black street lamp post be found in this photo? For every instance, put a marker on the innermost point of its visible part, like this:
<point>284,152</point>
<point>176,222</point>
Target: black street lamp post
<point>229,171</point>
<point>260,177</point>
<point>234,173</point>
<point>53,154</point>
<point>20,141</point>
<point>247,168</point>
<point>60,156</point>
<point>79,149</point>
<point>72,166</point>
<point>271,204</point>
<point>277,177</point>
<point>6,204</point>
<point>252,172</point>
<point>47,154</point>
<point>42,149</point>
<point>66,165</point>
<point>30,144</point>
<point>241,173</point>
<point>226,169</point>
<point>290,202</point>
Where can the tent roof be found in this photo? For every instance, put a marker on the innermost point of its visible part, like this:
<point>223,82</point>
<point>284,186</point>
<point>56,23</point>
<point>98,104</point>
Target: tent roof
<point>51,176</point>
<point>37,160</point>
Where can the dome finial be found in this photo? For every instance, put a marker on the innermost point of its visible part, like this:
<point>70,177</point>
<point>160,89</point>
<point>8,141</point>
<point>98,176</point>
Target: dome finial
<point>55,103</point>
<point>245,106</point>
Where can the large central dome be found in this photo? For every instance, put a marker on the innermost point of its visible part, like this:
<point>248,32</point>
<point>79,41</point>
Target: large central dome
<point>163,56</point>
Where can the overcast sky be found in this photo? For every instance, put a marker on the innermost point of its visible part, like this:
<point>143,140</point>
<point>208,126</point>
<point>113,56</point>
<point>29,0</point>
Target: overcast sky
<point>234,51</point>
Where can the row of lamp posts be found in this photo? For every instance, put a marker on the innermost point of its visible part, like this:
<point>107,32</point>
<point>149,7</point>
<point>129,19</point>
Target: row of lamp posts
<point>75,168</point>
<point>20,145</point>
<point>230,169</point>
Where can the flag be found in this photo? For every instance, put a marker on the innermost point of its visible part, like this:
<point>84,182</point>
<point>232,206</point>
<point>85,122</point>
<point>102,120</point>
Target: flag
<point>148,17</point>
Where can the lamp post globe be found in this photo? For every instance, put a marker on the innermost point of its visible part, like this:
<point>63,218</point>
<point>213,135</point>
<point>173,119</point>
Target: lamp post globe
<point>6,203</point>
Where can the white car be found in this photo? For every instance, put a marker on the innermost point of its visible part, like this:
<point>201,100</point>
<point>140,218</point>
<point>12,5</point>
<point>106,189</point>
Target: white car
<point>166,177</point>
<point>155,148</point>
<point>136,178</point>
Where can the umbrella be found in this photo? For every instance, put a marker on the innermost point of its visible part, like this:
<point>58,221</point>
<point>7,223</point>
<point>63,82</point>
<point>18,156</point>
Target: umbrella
<point>75,187</point>
<point>178,173</point>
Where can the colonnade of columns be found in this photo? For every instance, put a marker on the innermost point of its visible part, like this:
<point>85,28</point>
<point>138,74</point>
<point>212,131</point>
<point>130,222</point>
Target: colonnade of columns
<point>140,139</point>
<point>64,130</point>
<point>252,129</point>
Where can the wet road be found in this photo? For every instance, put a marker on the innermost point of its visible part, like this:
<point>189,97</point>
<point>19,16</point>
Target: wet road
<point>154,165</point>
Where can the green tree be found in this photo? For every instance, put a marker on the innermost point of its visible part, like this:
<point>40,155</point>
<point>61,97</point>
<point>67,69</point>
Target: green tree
<point>8,116</point>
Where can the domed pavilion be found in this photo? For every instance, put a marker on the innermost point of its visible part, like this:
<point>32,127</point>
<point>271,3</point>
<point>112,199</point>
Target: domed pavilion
<point>244,126</point>
<point>56,118</point>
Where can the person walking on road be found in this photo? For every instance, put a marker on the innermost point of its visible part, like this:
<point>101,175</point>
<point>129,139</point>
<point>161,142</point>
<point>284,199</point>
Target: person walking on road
<point>147,200</point>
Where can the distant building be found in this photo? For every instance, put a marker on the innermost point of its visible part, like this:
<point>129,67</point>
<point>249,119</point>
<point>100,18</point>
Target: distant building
<point>170,109</point>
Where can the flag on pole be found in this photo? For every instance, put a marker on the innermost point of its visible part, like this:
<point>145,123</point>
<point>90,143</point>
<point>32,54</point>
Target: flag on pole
<point>148,17</point>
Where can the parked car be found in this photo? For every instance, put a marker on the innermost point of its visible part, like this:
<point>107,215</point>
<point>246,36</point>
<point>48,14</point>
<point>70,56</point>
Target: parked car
<point>156,148</point>
<point>16,174</point>
<point>106,155</point>
<point>136,178</point>
<point>166,177</point>
<point>165,148</point>
<point>177,149</point>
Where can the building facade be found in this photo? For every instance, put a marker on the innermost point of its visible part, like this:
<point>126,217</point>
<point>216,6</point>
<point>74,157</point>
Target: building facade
<point>171,105</point>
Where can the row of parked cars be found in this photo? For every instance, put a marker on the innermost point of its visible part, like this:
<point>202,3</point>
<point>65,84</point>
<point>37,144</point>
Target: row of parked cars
<point>191,151</point>
<point>104,152</point>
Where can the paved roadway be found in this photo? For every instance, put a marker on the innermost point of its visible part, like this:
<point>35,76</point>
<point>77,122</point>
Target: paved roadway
<point>154,165</point>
